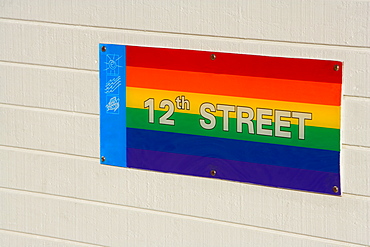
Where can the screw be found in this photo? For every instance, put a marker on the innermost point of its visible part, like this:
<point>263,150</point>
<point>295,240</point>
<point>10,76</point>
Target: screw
<point>213,173</point>
<point>102,159</point>
<point>103,48</point>
<point>335,189</point>
<point>336,67</point>
<point>213,57</point>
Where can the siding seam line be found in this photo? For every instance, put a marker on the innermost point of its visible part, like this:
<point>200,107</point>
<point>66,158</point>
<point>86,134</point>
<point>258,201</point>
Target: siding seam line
<point>45,109</point>
<point>174,214</point>
<point>49,237</point>
<point>49,152</point>
<point>178,33</point>
<point>47,66</point>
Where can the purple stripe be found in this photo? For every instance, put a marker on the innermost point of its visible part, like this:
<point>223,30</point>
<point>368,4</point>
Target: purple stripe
<point>276,176</point>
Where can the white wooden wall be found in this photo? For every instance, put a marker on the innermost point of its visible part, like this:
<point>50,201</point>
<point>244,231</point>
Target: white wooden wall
<point>54,192</point>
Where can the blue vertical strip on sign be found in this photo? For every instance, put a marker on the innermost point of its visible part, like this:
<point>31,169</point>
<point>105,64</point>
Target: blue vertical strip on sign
<point>112,67</point>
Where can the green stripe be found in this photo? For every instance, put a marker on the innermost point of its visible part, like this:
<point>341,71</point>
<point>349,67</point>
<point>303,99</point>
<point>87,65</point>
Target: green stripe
<point>315,137</point>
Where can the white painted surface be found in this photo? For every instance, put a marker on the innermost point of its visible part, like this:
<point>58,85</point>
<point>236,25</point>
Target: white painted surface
<point>339,22</point>
<point>112,225</point>
<point>55,131</point>
<point>12,238</point>
<point>76,47</point>
<point>50,88</point>
<point>356,170</point>
<point>55,192</point>
<point>245,204</point>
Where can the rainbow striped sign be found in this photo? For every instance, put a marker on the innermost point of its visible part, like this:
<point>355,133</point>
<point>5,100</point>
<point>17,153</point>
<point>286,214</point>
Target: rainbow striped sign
<point>265,120</point>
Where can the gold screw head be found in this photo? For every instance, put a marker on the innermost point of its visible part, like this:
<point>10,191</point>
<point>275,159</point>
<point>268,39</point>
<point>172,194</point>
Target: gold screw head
<point>213,173</point>
<point>103,48</point>
<point>102,159</point>
<point>336,67</point>
<point>335,189</point>
<point>213,57</point>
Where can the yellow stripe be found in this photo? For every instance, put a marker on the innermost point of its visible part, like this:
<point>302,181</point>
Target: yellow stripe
<point>322,115</point>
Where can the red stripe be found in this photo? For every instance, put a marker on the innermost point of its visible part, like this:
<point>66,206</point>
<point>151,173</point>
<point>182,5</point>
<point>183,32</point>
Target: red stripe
<point>235,64</point>
<point>232,85</point>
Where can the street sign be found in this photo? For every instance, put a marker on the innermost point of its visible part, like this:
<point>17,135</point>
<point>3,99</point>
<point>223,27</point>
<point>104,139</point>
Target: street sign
<point>271,121</point>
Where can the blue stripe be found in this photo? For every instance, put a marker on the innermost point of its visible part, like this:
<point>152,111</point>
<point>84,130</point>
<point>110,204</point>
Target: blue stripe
<point>112,132</point>
<point>244,151</point>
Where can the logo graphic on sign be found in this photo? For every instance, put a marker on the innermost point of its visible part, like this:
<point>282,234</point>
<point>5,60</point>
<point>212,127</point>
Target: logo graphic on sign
<point>112,62</point>
<point>113,104</point>
<point>112,77</point>
<point>265,120</point>
<point>112,85</point>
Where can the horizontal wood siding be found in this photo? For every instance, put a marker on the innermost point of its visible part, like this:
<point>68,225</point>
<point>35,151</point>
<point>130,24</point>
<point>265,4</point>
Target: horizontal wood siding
<point>53,190</point>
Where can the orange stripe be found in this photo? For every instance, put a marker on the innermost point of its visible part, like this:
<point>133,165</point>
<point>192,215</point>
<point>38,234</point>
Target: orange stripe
<point>234,85</point>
